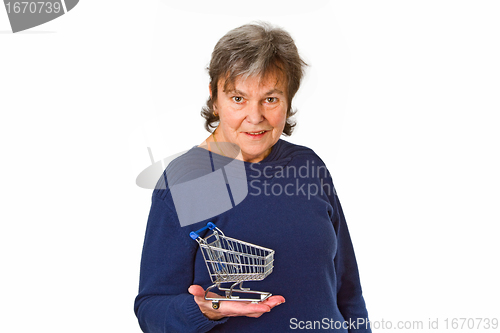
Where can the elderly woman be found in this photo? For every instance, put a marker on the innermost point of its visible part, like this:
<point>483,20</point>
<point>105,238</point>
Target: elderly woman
<point>290,205</point>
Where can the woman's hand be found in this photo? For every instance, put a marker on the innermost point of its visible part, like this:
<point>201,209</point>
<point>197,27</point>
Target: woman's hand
<point>232,309</point>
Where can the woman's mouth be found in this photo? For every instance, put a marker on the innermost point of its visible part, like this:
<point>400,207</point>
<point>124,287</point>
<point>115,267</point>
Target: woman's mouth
<point>256,135</point>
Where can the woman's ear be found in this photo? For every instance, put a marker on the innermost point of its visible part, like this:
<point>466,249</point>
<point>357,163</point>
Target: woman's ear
<point>214,106</point>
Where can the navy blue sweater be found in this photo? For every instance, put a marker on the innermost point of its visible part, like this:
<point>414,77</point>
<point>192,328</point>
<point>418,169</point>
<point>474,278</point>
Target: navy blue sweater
<point>292,208</point>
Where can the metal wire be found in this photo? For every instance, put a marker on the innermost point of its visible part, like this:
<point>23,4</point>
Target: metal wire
<point>232,260</point>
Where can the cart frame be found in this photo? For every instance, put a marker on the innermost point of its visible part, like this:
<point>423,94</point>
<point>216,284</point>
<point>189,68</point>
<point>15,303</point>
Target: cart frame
<point>230,260</point>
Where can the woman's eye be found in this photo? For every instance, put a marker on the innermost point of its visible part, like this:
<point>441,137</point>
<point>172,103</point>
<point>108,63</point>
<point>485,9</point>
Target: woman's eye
<point>271,99</point>
<point>237,99</point>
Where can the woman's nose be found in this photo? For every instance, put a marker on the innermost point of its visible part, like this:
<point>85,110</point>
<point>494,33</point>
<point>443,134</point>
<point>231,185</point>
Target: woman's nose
<point>255,113</point>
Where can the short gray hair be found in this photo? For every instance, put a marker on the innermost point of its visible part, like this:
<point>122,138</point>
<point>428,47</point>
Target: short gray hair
<point>254,50</point>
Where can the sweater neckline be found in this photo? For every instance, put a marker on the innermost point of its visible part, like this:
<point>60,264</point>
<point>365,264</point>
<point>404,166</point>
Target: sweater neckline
<point>272,157</point>
<point>271,160</point>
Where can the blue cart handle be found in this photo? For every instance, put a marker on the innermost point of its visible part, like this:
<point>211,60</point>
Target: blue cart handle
<point>194,234</point>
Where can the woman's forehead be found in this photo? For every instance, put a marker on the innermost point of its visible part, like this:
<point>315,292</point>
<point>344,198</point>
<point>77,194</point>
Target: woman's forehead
<point>272,80</point>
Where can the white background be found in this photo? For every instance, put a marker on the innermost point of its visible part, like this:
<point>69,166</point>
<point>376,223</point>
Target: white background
<point>401,100</point>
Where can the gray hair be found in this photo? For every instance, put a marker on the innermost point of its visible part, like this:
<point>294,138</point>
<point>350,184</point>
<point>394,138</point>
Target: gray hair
<point>254,50</point>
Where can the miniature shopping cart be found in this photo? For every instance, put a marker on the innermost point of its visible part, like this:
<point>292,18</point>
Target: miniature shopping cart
<point>233,261</point>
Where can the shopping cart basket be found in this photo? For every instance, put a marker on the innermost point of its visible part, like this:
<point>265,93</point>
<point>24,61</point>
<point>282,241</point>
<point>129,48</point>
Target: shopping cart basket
<point>233,261</point>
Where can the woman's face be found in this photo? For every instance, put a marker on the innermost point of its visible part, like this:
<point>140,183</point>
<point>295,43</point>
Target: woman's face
<point>252,114</point>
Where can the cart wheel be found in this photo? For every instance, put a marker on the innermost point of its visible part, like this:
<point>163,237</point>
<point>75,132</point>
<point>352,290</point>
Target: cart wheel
<point>215,305</point>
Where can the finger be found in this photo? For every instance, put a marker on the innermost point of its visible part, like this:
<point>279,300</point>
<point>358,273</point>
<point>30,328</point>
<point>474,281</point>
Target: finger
<point>265,306</point>
<point>234,308</point>
<point>199,295</point>
<point>274,301</point>
<point>196,290</point>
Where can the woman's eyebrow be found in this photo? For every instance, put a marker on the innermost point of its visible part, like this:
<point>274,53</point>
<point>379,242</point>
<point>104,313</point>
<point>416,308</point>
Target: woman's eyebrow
<point>241,93</point>
<point>275,91</point>
<point>235,92</point>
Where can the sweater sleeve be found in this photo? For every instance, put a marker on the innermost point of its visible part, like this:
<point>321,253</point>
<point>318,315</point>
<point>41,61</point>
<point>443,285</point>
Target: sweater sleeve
<point>349,295</point>
<point>167,269</point>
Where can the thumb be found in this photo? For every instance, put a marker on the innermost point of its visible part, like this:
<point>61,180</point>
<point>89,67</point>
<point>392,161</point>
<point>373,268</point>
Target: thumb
<point>196,290</point>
